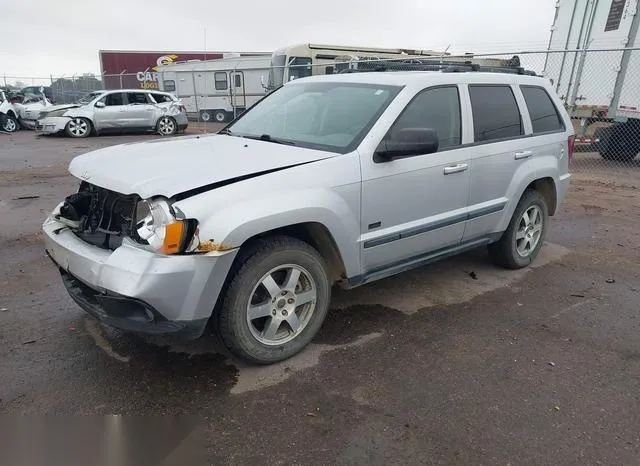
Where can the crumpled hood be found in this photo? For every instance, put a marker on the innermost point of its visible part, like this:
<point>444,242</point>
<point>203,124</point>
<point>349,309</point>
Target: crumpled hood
<point>171,167</point>
<point>52,108</point>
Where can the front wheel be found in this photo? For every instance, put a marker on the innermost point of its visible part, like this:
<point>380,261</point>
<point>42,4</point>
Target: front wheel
<point>523,239</point>
<point>78,128</point>
<point>167,126</point>
<point>276,301</point>
<point>10,124</point>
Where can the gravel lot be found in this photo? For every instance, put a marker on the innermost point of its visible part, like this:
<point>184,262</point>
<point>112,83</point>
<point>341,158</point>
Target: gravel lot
<point>435,366</point>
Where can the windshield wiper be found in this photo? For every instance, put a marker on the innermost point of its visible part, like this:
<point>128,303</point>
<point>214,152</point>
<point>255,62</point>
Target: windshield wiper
<point>268,138</point>
<point>225,131</point>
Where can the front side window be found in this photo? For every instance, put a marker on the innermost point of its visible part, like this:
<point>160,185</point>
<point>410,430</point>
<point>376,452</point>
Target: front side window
<point>326,116</point>
<point>221,83</point>
<point>495,113</point>
<point>117,98</point>
<point>544,115</point>
<point>437,109</point>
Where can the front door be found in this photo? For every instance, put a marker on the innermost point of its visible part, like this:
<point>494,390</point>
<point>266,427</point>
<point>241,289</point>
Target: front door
<point>417,205</point>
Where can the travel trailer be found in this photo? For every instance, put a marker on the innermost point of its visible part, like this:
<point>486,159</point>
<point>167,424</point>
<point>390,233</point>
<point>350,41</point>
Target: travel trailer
<point>216,90</point>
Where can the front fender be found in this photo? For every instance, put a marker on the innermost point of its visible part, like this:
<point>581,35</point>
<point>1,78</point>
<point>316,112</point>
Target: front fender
<point>336,209</point>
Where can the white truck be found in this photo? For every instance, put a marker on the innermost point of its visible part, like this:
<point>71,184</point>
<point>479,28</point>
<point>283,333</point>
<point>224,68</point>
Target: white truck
<point>216,90</point>
<point>594,65</point>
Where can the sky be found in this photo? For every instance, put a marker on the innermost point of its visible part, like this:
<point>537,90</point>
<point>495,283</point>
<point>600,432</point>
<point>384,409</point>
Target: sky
<point>62,37</point>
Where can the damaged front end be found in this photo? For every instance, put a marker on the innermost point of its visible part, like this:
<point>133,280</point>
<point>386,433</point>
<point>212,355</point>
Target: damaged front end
<point>99,216</point>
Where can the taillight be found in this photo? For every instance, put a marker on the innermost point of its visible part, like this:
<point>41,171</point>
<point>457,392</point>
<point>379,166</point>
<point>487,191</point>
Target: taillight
<point>571,144</point>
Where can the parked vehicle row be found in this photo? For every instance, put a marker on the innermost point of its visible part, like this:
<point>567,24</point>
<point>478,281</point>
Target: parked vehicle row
<point>99,112</point>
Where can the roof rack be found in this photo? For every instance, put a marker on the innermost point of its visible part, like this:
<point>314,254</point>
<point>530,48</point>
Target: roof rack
<point>511,66</point>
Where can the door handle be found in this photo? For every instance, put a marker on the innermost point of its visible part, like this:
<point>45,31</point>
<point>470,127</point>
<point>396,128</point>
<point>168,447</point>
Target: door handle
<point>524,154</point>
<point>455,169</point>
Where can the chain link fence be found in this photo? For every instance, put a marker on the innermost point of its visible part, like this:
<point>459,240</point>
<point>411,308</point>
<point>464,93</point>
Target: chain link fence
<point>599,88</point>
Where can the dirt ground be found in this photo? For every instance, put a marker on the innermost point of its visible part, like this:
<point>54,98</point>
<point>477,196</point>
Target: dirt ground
<point>456,363</point>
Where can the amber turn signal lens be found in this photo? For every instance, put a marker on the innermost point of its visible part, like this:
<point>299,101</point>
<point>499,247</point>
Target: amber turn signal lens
<point>173,238</point>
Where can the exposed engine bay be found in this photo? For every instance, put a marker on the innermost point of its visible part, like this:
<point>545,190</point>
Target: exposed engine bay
<point>98,216</point>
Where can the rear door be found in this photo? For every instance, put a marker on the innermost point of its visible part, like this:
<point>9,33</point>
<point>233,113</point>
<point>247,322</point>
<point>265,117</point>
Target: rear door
<point>141,111</point>
<point>500,155</point>
<point>113,114</point>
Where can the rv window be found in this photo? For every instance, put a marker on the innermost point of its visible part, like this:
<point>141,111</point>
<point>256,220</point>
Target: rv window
<point>169,86</point>
<point>220,79</point>
<point>238,81</point>
<point>299,67</point>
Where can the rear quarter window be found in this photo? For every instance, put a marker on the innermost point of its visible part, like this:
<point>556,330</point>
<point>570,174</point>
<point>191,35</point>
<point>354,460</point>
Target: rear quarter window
<point>545,117</point>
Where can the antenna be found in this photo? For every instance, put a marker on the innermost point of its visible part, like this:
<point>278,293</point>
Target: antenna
<point>204,81</point>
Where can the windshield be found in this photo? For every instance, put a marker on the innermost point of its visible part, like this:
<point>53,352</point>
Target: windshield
<point>331,116</point>
<point>276,72</point>
<point>87,98</point>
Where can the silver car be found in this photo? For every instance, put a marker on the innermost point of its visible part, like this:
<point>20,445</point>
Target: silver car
<point>120,110</point>
<point>340,179</point>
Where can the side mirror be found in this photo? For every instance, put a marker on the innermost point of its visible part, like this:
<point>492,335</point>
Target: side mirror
<point>329,70</point>
<point>407,142</point>
<point>100,105</point>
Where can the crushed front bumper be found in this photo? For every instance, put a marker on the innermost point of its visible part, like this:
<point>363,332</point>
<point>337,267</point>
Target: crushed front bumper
<point>51,125</point>
<point>136,290</point>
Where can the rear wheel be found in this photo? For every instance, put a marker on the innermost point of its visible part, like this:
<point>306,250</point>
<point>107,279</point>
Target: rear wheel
<point>10,124</point>
<point>78,128</point>
<point>205,116</point>
<point>167,126</point>
<point>276,301</point>
<point>521,242</point>
<point>220,116</point>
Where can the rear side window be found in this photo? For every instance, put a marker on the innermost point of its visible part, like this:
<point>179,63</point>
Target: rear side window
<point>137,98</point>
<point>495,113</point>
<point>544,114</point>
<point>438,109</point>
<point>160,98</point>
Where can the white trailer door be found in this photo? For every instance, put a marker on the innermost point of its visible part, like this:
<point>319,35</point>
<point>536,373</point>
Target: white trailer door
<point>238,91</point>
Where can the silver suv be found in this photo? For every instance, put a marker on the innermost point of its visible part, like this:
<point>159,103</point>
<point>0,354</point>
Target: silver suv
<point>101,112</point>
<point>341,179</point>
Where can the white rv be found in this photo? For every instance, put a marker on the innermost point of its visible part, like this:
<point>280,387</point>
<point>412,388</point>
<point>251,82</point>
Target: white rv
<point>299,61</point>
<point>216,90</point>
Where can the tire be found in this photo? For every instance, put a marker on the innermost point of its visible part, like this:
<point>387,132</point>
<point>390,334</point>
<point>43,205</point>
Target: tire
<point>205,116</point>
<point>220,116</point>
<point>267,335</point>
<point>78,128</point>
<point>11,124</point>
<point>166,126</point>
<point>619,143</point>
<point>511,250</point>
